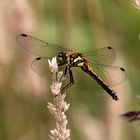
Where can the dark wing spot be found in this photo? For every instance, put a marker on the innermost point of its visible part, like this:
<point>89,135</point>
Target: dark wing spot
<point>109,47</point>
<point>38,58</point>
<point>122,69</point>
<point>24,35</point>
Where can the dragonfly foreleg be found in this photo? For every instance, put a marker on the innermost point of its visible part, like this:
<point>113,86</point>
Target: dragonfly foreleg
<point>71,79</point>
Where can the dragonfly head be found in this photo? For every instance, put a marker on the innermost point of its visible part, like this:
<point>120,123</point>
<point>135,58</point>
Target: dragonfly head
<point>62,57</point>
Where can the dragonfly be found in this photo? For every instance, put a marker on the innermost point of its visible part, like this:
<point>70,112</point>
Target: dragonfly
<point>95,63</point>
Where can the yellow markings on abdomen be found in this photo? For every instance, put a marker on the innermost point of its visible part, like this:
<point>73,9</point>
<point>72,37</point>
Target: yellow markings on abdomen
<point>92,71</point>
<point>104,85</point>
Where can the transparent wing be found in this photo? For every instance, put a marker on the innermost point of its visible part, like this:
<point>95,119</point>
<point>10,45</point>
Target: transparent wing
<point>37,46</point>
<point>40,66</point>
<point>111,75</point>
<point>101,56</point>
<point>101,61</point>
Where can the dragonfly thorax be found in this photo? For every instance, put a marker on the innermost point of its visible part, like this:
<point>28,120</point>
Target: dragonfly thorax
<point>76,60</point>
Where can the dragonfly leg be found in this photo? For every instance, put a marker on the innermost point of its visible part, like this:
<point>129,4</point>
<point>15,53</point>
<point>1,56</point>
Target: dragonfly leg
<point>71,79</point>
<point>65,74</point>
<point>66,71</point>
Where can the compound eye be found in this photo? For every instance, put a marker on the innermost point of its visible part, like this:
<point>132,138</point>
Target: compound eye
<point>60,58</point>
<point>60,55</point>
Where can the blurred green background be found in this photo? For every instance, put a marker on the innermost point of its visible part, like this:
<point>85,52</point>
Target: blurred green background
<point>78,25</point>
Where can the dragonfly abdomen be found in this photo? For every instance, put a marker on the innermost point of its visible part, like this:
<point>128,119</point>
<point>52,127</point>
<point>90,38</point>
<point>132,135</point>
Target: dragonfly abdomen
<point>91,73</point>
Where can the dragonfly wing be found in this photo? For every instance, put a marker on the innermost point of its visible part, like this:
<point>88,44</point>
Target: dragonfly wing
<point>101,56</point>
<point>40,66</point>
<point>36,46</point>
<point>111,75</point>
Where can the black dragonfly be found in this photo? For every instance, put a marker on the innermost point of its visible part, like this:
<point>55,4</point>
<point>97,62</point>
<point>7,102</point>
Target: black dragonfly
<point>96,63</point>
